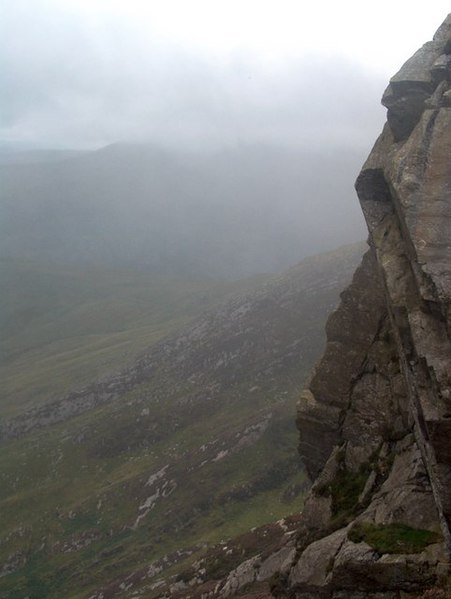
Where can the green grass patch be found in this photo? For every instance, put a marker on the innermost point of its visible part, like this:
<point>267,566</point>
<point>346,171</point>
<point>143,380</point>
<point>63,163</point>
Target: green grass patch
<point>345,490</point>
<point>392,538</point>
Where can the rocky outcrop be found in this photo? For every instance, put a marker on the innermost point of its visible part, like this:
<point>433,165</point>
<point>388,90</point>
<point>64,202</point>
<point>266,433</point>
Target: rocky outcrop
<point>375,419</point>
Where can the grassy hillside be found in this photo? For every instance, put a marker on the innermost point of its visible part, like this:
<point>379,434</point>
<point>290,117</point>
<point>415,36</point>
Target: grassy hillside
<point>80,508</point>
<point>193,443</point>
<point>62,326</point>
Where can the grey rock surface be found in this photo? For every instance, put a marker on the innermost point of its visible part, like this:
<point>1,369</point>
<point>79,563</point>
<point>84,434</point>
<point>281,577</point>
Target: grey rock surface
<point>375,421</point>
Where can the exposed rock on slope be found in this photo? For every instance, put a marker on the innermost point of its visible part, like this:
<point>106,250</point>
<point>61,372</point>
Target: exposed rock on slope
<point>250,340</point>
<point>375,420</point>
<point>110,490</point>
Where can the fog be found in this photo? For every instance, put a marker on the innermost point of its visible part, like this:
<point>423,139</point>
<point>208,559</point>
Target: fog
<point>217,214</point>
<point>241,128</point>
<point>178,99</point>
<point>86,74</point>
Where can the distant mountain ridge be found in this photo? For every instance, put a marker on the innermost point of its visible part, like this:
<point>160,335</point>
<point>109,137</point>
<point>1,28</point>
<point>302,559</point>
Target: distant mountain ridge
<point>16,156</point>
<point>225,214</point>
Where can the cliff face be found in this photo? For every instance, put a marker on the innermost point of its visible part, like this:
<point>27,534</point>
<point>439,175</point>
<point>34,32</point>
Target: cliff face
<point>375,421</point>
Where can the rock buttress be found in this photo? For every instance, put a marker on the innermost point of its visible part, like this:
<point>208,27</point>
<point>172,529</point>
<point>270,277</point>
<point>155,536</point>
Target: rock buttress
<point>375,420</point>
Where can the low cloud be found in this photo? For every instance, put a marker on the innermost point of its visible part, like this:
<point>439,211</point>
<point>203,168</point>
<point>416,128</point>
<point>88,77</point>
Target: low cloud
<point>71,85</point>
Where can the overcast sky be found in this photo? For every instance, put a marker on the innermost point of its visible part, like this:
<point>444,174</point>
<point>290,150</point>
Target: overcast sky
<point>85,73</point>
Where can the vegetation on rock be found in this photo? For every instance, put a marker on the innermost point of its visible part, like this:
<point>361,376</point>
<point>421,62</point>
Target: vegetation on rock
<point>392,538</point>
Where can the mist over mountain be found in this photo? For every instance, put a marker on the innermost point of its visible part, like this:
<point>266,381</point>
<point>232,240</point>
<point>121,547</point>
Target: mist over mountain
<point>223,214</point>
<point>10,154</point>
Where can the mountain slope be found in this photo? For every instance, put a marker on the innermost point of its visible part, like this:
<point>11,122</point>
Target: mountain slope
<point>63,326</point>
<point>192,443</point>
